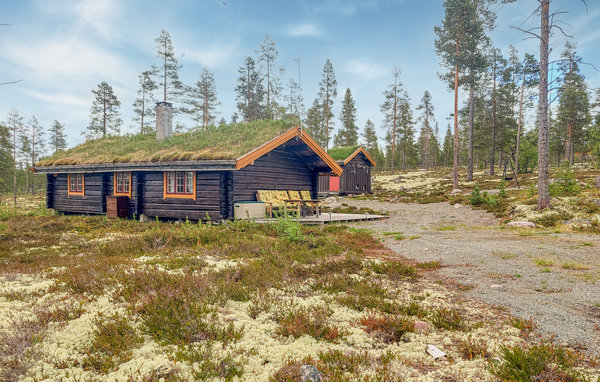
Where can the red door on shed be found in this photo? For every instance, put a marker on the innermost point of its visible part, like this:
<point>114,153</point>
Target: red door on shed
<point>334,184</point>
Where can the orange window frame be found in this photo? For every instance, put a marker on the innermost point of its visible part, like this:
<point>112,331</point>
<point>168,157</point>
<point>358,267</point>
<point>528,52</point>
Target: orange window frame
<point>117,193</point>
<point>175,195</point>
<point>76,193</point>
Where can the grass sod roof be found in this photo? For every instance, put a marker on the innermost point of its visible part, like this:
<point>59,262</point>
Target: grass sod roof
<point>223,142</point>
<point>341,153</point>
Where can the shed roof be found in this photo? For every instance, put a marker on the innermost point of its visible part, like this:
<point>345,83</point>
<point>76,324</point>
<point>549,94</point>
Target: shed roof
<point>346,153</point>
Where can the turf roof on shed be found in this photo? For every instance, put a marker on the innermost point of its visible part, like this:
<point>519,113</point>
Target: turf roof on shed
<point>223,142</point>
<point>341,153</point>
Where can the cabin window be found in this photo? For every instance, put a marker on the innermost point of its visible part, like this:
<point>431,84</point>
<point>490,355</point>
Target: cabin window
<point>76,184</point>
<point>122,183</point>
<point>180,184</point>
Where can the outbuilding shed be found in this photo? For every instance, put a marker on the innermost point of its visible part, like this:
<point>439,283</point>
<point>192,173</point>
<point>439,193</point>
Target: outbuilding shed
<point>356,177</point>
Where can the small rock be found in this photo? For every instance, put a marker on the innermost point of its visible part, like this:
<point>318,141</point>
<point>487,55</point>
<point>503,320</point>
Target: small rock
<point>458,205</point>
<point>421,326</point>
<point>434,351</point>
<point>519,223</point>
<point>310,373</point>
<point>455,191</point>
<point>496,286</point>
<point>496,359</point>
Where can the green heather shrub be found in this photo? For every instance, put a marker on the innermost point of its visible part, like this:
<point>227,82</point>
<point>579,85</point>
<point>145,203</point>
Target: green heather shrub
<point>502,192</point>
<point>543,362</point>
<point>449,319</point>
<point>551,218</point>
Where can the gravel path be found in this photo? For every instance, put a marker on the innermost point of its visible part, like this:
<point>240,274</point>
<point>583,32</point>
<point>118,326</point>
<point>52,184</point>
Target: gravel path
<point>527,274</point>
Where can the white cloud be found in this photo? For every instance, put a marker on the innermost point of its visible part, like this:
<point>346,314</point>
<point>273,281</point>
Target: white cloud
<point>60,98</point>
<point>67,59</point>
<point>310,30</point>
<point>364,69</point>
<point>212,56</point>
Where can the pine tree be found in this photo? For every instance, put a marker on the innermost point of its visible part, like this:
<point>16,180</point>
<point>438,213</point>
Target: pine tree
<point>5,160</point>
<point>573,107</point>
<point>426,118</point>
<point>390,110</point>
<point>348,133</point>
<point>203,99</point>
<point>327,92</point>
<point>448,145</point>
<point>295,101</point>
<point>57,139</point>
<point>271,75</point>
<point>167,71</point>
<point>104,114</point>
<point>14,122</point>
<point>36,144</point>
<point>452,45</point>
<point>250,92</point>
<point>143,106</point>
<point>406,130</point>
<point>315,123</point>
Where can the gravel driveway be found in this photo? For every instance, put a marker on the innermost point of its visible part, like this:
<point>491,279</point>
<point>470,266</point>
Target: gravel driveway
<point>552,278</point>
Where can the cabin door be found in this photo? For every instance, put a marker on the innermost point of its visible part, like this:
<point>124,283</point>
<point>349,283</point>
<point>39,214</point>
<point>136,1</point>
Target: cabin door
<point>334,184</point>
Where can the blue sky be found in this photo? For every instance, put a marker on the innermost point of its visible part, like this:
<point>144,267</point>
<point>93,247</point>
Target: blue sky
<point>63,49</point>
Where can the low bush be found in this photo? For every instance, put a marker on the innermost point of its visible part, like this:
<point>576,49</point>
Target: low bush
<point>298,321</point>
<point>387,328</point>
<point>543,362</point>
<point>449,319</point>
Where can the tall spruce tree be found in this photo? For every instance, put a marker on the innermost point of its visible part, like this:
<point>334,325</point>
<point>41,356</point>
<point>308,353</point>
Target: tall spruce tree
<point>390,110</point>
<point>348,133</point>
<point>105,117</point>
<point>370,137</point>
<point>327,93</point>
<point>250,92</point>
<point>426,118</point>
<point>57,139</point>
<point>143,106</point>
<point>166,72</point>
<point>203,99</point>
<point>37,144</point>
<point>271,74</point>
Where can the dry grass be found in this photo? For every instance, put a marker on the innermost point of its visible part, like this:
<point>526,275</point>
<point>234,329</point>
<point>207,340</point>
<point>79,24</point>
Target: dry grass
<point>95,299</point>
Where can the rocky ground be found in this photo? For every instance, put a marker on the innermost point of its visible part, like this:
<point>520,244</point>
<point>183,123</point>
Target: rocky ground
<point>550,277</point>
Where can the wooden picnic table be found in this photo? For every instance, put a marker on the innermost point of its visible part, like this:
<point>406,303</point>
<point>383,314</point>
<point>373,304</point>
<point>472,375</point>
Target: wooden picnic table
<point>303,203</point>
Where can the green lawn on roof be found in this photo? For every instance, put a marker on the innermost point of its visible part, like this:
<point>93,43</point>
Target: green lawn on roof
<point>222,142</point>
<point>341,153</point>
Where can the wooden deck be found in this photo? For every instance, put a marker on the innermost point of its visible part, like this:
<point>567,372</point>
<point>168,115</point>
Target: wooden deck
<point>326,218</point>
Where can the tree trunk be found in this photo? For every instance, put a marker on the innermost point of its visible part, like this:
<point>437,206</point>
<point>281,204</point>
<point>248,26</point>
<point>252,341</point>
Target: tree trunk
<point>519,123</point>
<point>471,123</point>
<point>493,153</point>
<point>543,133</point>
<point>455,168</point>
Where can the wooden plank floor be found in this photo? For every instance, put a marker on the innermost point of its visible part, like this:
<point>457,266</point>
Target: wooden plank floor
<point>326,218</point>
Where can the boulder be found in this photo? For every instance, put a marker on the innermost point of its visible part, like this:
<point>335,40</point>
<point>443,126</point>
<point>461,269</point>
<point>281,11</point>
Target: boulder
<point>421,326</point>
<point>310,373</point>
<point>458,205</point>
<point>522,224</point>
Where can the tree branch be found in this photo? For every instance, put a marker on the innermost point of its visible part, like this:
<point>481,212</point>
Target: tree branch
<point>10,83</point>
<point>528,32</point>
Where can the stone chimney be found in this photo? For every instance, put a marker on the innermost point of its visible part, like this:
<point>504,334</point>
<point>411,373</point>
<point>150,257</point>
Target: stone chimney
<point>164,120</point>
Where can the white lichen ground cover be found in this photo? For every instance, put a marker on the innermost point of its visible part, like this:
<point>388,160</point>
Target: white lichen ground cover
<point>84,298</point>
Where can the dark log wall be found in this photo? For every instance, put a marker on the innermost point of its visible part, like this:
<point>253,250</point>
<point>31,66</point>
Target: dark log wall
<point>208,199</point>
<point>49,191</point>
<point>323,185</point>
<point>132,206</point>
<point>278,170</point>
<point>356,178</point>
<point>90,203</point>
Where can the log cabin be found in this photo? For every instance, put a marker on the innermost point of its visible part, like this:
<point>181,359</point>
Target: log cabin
<point>196,175</point>
<point>356,177</point>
